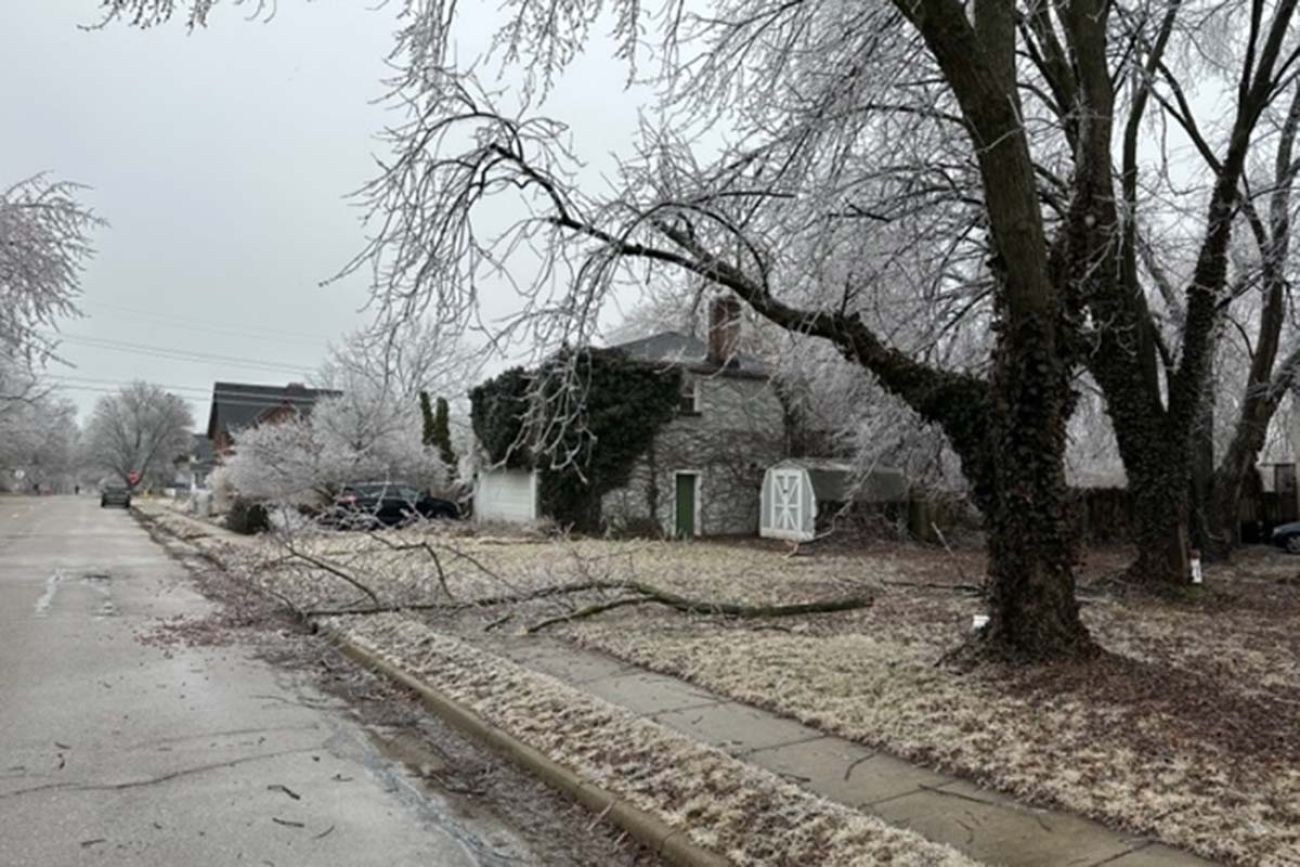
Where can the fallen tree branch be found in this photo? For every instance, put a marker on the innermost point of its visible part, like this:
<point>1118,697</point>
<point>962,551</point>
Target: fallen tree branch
<point>427,548</point>
<point>486,602</point>
<point>589,611</point>
<point>651,594</point>
<point>333,570</point>
<point>645,591</point>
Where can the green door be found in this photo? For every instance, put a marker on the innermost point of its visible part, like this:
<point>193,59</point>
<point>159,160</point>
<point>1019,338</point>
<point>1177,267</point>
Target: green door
<point>685,505</point>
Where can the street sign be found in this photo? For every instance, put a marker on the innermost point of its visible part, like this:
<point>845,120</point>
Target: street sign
<point>132,477</point>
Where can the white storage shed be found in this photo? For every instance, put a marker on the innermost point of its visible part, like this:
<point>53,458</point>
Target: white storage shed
<point>794,489</point>
<point>508,496</point>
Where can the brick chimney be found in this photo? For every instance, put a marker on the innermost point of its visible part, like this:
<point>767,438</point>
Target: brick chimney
<point>724,329</point>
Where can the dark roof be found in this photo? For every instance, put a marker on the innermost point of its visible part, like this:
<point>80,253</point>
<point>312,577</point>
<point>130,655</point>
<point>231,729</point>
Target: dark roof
<point>673,347</point>
<point>238,405</point>
<point>201,449</point>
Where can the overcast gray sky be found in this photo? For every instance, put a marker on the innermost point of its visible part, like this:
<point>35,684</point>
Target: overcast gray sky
<point>221,160</point>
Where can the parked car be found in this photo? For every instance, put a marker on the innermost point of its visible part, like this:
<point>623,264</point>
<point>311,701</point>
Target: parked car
<point>114,494</point>
<point>387,504</point>
<point>1287,537</point>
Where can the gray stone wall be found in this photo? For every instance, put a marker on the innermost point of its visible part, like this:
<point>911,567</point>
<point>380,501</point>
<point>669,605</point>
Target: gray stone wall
<point>734,437</point>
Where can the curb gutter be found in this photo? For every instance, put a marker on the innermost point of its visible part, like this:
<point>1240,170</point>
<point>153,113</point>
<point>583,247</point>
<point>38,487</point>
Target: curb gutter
<point>671,844</point>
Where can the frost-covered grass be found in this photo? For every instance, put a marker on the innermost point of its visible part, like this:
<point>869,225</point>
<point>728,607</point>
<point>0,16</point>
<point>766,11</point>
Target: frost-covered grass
<point>748,814</point>
<point>1188,730</point>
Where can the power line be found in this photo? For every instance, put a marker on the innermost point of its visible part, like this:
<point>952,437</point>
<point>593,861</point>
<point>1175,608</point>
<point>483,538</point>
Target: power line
<point>182,354</point>
<point>207,321</point>
<point>230,397</point>
<point>206,324</point>
<point>60,377</point>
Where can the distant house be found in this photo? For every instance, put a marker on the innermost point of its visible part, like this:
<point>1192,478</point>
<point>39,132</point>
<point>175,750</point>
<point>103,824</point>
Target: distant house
<point>240,405</point>
<point>703,473</point>
<point>194,467</point>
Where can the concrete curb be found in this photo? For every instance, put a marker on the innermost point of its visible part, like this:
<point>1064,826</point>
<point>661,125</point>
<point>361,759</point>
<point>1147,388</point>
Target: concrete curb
<point>672,845</point>
<point>656,835</point>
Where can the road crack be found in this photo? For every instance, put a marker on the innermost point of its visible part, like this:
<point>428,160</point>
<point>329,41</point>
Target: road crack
<point>153,781</point>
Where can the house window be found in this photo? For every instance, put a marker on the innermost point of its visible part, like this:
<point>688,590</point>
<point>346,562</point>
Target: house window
<point>690,397</point>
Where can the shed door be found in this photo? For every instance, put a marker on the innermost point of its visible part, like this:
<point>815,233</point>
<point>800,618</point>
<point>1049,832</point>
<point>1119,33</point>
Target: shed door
<point>787,511</point>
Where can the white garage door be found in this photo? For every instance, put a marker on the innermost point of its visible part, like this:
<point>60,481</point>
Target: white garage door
<point>506,495</point>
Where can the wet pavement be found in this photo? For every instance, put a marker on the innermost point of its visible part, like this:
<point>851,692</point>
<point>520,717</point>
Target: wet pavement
<point>117,748</point>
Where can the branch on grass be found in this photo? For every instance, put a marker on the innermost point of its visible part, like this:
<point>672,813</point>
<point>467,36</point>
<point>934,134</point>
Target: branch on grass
<point>646,593</point>
<point>589,611</point>
<point>433,555</point>
<point>486,602</point>
<point>333,570</point>
<point>649,594</point>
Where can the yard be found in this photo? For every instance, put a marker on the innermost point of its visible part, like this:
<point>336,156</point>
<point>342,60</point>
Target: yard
<point>1186,730</point>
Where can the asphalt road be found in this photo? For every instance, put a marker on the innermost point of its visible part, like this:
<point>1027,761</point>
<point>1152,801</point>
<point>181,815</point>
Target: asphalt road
<point>119,749</point>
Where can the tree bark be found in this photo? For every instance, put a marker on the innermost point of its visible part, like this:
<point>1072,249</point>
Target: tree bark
<point>1159,487</point>
<point>1201,495</point>
<point>1032,606</point>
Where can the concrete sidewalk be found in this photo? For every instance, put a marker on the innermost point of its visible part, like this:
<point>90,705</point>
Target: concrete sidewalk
<point>983,824</point>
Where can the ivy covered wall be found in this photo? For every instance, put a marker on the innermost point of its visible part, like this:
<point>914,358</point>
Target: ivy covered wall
<point>582,419</point>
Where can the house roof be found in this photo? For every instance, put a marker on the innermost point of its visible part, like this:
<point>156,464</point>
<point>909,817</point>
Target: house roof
<point>201,449</point>
<point>673,347</point>
<point>238,405</point>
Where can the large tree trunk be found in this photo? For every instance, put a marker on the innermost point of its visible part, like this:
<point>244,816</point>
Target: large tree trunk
<point>1159,488</point>
<point>1032,607</point>
<point>1201,494</point>
<point>1225,506</point>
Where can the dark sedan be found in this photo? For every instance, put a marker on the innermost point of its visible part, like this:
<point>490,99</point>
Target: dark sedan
<point>1287,537</point>
<point>387,504</point>
<point>115,495</point>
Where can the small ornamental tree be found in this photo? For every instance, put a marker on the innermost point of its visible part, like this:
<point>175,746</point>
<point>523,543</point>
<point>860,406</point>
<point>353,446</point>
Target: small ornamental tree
<point>426,418</point>
<point>441,435</point>
<point>581,420</point>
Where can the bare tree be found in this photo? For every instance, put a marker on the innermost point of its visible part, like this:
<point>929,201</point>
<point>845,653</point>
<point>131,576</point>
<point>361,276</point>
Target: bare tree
<point>38,436</point>
<point>1155,377</point>
<point>416,356</point>
<point>1267,379</point>
<point>44,242</point>
<point>140,429</point>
